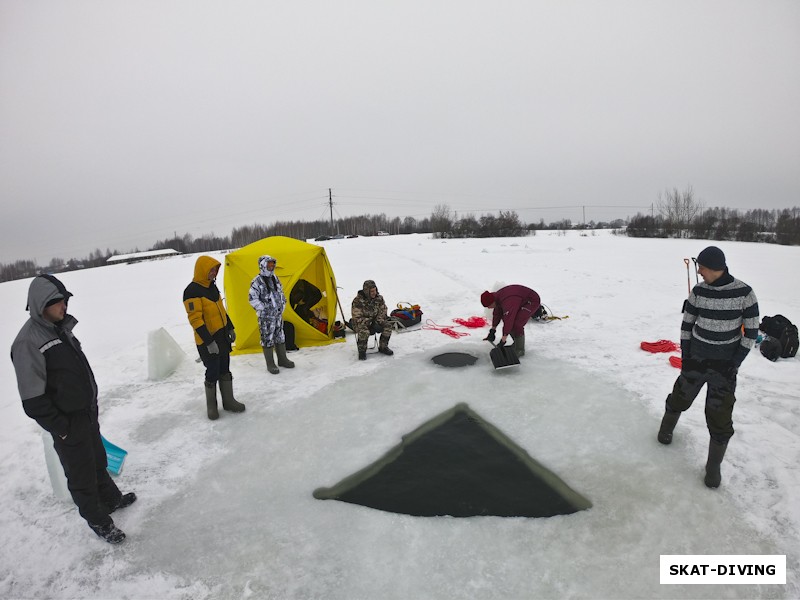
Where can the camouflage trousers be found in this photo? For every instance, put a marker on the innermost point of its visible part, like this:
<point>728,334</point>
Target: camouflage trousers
<point>367,327</point>
<point>271,331</point>
<point>720,398</point>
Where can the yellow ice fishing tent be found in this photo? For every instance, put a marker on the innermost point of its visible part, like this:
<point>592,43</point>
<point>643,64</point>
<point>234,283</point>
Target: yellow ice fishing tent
<point>308,283</point>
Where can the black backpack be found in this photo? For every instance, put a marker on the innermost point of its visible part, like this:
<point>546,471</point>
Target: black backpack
<point>781,329</point>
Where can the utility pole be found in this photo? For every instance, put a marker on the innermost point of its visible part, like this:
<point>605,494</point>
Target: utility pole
<point>330,203</point>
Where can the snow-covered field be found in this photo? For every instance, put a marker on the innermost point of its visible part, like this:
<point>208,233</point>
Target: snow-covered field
<point>225,508</point>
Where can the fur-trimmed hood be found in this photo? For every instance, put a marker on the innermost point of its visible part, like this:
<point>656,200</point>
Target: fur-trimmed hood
<point>263,270</point>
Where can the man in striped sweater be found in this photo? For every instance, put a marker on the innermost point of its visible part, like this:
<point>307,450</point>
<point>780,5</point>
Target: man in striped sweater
<point>720,326</point>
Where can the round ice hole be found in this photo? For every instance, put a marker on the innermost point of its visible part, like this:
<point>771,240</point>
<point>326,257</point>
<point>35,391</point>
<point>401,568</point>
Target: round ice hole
<point>454,359</point>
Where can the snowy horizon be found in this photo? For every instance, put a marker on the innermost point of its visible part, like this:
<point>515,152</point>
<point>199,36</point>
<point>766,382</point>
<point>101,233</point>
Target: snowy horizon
<point>225,508</point>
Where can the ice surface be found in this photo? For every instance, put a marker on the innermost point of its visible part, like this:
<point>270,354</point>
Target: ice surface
<point>225,508</point>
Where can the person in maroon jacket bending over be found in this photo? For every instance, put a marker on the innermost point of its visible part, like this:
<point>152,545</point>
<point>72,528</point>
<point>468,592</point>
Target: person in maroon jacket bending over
<point>514,305</point>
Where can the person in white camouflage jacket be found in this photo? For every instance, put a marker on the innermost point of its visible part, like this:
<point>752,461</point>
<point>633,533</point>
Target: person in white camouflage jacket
<point>268,300</point>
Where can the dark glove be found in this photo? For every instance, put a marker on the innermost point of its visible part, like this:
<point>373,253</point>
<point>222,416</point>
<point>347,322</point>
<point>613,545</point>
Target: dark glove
<point>491,337</point>
<point>213,348</point>
<point>231,335</point>
<point>501,343</point>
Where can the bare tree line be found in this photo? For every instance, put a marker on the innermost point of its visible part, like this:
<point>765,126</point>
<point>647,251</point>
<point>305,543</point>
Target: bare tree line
<point>240,236</point>
<point>680,214</point>
<point>446,223</point>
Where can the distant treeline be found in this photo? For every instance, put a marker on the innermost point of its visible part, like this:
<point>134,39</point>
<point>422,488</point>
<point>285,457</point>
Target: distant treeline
<point>759,225</point>
<point>443,223</point>
<point>678,216</point>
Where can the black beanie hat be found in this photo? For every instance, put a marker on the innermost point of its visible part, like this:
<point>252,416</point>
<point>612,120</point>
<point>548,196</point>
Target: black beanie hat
<point>712,258</point>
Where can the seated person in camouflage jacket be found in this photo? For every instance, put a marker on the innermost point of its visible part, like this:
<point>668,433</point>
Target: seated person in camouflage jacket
<point>370,317</point>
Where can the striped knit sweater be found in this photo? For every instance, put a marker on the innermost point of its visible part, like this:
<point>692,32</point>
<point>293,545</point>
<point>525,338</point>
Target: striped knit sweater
<point>712,321</point>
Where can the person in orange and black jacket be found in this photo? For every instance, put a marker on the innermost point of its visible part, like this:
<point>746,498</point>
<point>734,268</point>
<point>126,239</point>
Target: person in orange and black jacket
<point>213,333</point>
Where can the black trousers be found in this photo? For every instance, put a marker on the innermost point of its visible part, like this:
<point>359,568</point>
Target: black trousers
<point>215,364</point>
<point>84,460</point>
<point>720,398</point>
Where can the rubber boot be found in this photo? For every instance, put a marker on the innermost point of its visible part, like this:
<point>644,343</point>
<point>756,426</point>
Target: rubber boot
<point>110,533</point>
<point>271,367</point>
<point>668,423</point>
<point>211,401</point>
<point>228,401</point>
<point>716,452</point>
<point>383,345</point>
<point>519,345</point>
<point>280,349</point>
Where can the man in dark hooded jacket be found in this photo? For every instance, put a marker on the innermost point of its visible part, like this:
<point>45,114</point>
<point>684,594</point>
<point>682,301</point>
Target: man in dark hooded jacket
<point>59,391</point>
<point>370,317</point>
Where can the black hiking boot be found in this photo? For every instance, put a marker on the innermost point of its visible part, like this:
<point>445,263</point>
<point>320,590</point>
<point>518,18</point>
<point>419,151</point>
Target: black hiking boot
<point>124,501</point>
<point>386,350</point>
<point>109,533</point>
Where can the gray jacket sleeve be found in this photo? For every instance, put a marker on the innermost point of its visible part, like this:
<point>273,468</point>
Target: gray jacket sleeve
<point>30,368</point>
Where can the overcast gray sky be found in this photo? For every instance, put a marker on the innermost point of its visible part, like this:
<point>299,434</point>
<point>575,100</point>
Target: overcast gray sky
<point>122,122</point>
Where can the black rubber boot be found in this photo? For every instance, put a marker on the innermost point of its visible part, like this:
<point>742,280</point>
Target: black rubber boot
<point>280,350</point>
<point>228,401</point>
<point>716,452</point>
<point>271,366</point>
<point>667,426</point>
<point>383,345</point>
<point>211,401</point>
<point>109,533</point>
